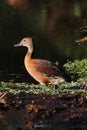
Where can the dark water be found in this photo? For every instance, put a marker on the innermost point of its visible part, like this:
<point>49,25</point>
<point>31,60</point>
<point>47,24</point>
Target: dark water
<point>14,120</point>
<point>53,25</point>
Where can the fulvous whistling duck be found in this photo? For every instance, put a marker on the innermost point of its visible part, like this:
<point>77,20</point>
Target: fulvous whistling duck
<point>43,71</point>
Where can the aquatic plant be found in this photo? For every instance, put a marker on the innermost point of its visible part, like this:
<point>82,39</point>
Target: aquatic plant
<point>76,69</point>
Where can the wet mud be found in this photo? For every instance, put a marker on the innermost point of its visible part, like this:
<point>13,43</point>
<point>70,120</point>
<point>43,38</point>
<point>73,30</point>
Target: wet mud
<point>47,109</point>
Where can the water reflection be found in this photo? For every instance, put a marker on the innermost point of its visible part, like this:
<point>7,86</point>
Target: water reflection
<point>19,3</point>
<point>15,120</point>
<point>54,26</point>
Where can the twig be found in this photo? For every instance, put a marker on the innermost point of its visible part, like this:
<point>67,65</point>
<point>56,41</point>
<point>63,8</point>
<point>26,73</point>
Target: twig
<point>3,95</point>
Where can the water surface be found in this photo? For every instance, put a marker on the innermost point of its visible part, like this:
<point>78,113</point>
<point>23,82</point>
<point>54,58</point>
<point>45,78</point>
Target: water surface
<point>53,25</point>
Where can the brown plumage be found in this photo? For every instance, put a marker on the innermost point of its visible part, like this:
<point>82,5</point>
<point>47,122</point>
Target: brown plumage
<point>43,71</point>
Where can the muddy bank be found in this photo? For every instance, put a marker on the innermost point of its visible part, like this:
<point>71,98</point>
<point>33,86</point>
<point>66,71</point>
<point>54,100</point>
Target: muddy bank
<point>45,109</point>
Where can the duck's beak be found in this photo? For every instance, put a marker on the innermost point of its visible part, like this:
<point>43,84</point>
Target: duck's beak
<point>19,44</point>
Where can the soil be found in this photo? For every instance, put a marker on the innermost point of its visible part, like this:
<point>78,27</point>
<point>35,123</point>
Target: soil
<point>48,108</point>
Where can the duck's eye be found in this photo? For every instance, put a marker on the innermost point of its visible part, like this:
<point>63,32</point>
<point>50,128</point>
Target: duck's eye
<point>24,40</point>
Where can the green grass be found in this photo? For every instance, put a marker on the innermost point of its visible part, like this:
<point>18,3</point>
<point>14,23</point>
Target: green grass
<point>67,87</point>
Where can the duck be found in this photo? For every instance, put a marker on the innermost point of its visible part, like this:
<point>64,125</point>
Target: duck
<point>43,71</point>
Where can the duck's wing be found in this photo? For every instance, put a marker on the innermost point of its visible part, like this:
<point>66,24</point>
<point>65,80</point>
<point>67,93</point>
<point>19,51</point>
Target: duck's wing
<point>46,67</point>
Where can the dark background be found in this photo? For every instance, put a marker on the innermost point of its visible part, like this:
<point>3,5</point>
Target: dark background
<point>53,25</point>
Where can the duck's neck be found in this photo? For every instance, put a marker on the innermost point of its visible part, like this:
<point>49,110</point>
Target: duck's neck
<point>28,55</point>
<point>27,59</point>
<point>30,50</point>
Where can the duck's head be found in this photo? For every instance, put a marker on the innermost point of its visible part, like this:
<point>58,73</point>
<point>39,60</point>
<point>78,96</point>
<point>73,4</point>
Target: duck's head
<point>27,42</point>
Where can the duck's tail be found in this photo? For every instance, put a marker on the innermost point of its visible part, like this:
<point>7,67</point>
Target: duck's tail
<point>56,80</point>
